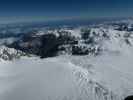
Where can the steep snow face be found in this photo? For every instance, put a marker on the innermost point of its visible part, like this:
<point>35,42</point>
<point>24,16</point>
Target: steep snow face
<point>119,41</point>
<point>10,53</point>
<point>49,79</point>
<point>112,70</point>
<point>108,40</point>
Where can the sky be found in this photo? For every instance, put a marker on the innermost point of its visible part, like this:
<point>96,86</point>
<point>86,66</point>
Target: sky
<point>32,10</point>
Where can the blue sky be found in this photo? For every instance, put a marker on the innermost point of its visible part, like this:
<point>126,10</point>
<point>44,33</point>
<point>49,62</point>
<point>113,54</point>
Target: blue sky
<point>24,10</point>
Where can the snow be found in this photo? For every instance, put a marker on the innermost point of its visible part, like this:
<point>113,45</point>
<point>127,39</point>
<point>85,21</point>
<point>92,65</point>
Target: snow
<point>74,32</point>
<point>40,80</point>
<point>104,77</point>
<point>49,79</point>
<point>10,53</point>
<point>113,71</point>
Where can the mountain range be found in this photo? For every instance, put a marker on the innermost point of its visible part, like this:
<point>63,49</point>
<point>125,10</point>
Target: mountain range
<point>91,61</point>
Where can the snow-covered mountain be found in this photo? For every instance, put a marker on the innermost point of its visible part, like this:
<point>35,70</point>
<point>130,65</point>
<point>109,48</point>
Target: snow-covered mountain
<point>91,62</point>
<point>10,53</point>
<point>75,41</point>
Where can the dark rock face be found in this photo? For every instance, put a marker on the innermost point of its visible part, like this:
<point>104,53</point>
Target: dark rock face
<point>85,34</point>
<point>129,98</point>
<point>46,45</point>
<point>51,44</point>
<point>79,50</point>
<point>124,27</point>
<point>30,46</point>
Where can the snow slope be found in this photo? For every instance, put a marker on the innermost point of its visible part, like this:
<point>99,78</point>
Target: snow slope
<point>49,79</point>
<point>113,71</point>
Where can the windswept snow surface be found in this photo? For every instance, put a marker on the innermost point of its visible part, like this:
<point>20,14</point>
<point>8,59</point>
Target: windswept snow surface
<point>49,79</point>
<point>112,71</point>
<point>36,80</point>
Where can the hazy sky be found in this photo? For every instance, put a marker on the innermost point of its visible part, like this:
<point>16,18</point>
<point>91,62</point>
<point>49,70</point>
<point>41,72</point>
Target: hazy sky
<point>24,10</point>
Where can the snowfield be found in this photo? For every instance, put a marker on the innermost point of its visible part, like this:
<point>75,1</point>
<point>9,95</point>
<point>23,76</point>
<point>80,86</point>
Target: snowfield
<point>107,77</point>
<point>112,71</point>
<point>49,79</point>
<point>37,80</point>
